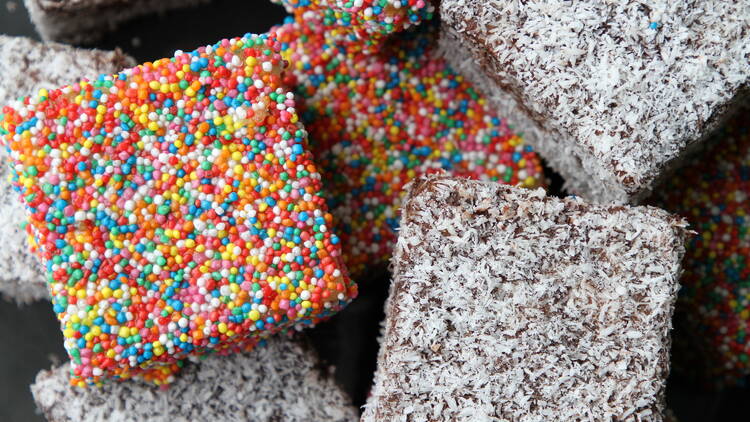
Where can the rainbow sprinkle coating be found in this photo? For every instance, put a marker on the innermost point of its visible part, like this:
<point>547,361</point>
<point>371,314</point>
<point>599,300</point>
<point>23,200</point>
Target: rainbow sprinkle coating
<point>379,117</point>
<point>363,18</point>
<point>714,303</point>
<point>178,210</point>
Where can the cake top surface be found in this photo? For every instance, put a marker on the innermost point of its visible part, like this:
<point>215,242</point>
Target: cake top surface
<point>633,83</point>
<point>177,209</point>
<point>509,305</point>
<point>27,66</point>
<point>280,380</point>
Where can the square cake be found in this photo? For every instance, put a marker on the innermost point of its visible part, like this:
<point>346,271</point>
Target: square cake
<point>713,311</point>
<point>281,380</point>
<point>177,209</point>
<point>84,21</point>
<point>27,66</point>
<point>508,305</point>
<point>611,94</point>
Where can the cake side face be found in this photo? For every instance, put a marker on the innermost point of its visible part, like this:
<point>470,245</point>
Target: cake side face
<point>507,305</point>
<point>571,161</point>
<point>633,85</point>
<point>567,158</point>
<point>27,66</point>
<point>177,209</point>
<point>366,18</point>
<point>279,380</point>
<point>85,21</point>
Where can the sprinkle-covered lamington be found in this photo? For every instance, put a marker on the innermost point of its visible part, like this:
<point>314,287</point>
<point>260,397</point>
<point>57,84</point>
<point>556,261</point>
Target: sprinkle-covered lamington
<point>177,208</point>
<point>364,18</point>
<point>27,66</point>
<point>278,381</point>
<point>380,115</point>
<point>509,305</point>
<point>713,312</point>
<point>611,94</point>
<point>85,21</point>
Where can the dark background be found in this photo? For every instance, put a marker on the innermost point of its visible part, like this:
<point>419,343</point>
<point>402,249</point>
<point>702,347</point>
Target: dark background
<point>30,339</point>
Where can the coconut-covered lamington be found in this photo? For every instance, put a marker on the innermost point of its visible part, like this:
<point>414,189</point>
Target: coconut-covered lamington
<point>83,21</point>
<point>282,380</point>
<point>509,305</point>
<point>177,209</point>
<point>618,90</point>
<point>27,66</point>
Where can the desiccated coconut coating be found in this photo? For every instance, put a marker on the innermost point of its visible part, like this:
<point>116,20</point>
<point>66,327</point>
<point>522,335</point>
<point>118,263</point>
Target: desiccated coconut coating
<point>177,209</point>
<point>712,192</point>
<point>27,66</point>
<point>380,115</point>
<point>511,306</point>
<point>625,87</point>
<point>84,21</point>
<point>278,381</point>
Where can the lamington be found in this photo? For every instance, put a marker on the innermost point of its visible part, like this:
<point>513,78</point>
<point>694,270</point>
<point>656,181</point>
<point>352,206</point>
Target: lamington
<point>177,210</point>
<point>380,114</point>
<point>712,318</point>
<point>85,21</point>
<point>612,94</point>
<point>27,66</point>
<point>282,380</point>
<point>509,305</point>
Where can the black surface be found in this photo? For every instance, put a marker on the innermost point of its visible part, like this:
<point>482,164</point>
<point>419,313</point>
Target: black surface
<point>29,336</point>
<point>30,340</point>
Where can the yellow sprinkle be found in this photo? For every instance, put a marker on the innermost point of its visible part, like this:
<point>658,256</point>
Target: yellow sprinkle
<point>254,315</point>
